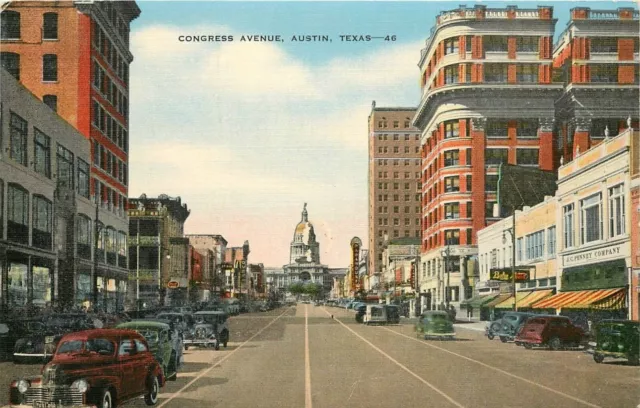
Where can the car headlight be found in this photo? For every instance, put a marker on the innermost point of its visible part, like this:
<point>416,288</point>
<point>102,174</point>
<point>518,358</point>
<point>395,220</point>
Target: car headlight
<point>81,385</point>
<point>23,386</point>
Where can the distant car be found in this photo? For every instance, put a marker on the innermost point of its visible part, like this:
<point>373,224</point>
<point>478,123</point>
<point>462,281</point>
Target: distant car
<point>435,324</point>
<point>219,322</point>
<point>617,339</point>
<point>555,332</point>
<point>94,368</point>
<point>507,326</point>
<point>160,338</point>
<point>203,334</point>
<point>179,319</point>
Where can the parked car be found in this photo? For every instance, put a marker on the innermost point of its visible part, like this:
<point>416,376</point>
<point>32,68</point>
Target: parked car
<point>554,332</point>
<point>43,335</point>
<point>617,339</point>
<point>218,320</point>
<point>100,367</point>
<point>10,331</point>
<point>160,338</point>
<point>179,319</point>
<point>435,324</point>
<point>507,326</point>
<point>203,334</point>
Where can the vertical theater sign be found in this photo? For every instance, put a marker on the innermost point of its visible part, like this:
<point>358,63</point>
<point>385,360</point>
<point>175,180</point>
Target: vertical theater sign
<point>356,243</point>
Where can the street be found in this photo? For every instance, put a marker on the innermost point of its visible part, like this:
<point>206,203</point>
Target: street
<point>301,357</point>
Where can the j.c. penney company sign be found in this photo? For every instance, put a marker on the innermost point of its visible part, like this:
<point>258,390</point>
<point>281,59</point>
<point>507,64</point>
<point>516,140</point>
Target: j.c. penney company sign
<point>595,255</point>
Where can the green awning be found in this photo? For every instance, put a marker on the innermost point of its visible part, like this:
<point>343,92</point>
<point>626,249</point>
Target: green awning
<point>478,300</point>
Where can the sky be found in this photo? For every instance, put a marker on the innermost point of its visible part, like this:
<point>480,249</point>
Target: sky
<point>247,132</point>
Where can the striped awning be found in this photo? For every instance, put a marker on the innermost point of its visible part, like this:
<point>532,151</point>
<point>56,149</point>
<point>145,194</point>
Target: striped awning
<point>508,304</point>
<point>534,297</point>
<point>478,300</point>
<point>501,298</point>
<point>585,299</point>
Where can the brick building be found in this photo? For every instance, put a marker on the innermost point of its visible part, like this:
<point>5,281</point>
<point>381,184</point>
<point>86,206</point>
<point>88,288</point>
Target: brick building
<point>394,180</point>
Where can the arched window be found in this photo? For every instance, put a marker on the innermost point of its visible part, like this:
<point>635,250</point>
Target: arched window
<point>11,62</point>
<point>10,25</point>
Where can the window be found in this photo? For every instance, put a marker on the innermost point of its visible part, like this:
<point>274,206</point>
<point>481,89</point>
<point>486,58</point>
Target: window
<point>452,211</point>
<point>535,245</point>
<point>42,153</point>
<point>604,73</point>
<point>451,74</point>
<point>494,43</point>
<point>83,178</point>
<point>9,25</point>
<point>83,236</point>
<point>527,128</point>
<point>395,124</point>
<point>495,73</point>
<point>604,45</point>
<point>491,182</point>
<point>519,249</point>
<point>527,156</point>
<point>467,43</point>
<point>64,164</point>
<point>451,158</point>
<point>616,211</point>
<point>17,214</point>
<point>42,219</point>
<point>469,236</point>
<point>452,237</point>
<point>51,101</point>
<point>488,209</point>
<point>451,184</point>
<point>527,73</point>
<point>469,209</point>
<point>50,26</point>
<point>497,128</point>
<point>18,149</point>
<point>569,225</point>
<point>50,67</point>
<point>469,182</point>
<point>591,219</point>
<point>451,129</point>
<point>551,241</point>
<point>451,46</point>
<point>496,156</point>
<point>10,61</point>
<point>527,44</point>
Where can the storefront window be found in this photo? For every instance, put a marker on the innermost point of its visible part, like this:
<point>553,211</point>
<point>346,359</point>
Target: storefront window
<point>17,284</point>
<point>83,287</point>
<point>41,286</point>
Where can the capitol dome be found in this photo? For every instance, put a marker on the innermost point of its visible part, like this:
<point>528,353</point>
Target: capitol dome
<point>304,230</point>
<point>304,247</point>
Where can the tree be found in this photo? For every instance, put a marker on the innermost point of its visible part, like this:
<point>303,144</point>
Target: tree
<point>296,288</point>
<point>314,290</point>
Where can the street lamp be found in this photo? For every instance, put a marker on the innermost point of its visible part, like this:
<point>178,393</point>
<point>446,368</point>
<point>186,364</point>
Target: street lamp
<point>446,254</point>
<point>512,232</point>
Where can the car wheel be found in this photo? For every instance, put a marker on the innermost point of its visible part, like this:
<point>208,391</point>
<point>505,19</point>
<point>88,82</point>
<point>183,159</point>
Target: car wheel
<point>528,346</point>
<point>598,358</point>
<point>105,400</point>
<point>555,343</point>
<point>186,347</point>
<point>503,339</point>
<point>151,397</point>
<point>490,336</point>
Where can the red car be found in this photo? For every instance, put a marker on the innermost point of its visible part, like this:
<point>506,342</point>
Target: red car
<point>555,332</point>
<point>99,368</point>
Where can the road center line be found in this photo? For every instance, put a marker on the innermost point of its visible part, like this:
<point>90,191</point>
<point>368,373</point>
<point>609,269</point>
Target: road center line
<point>448,398</point>
<point>497,369</point>
<point>205,371</point>
<point>307,361</point>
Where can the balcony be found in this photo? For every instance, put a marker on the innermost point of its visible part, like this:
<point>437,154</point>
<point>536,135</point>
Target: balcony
<point>143,241</point>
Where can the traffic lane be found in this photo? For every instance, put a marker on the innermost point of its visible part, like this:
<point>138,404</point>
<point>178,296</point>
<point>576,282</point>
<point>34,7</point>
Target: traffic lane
<point>249,373</point>
<point>471,383</point>
<point>572,371</point>
<point>346,371</point>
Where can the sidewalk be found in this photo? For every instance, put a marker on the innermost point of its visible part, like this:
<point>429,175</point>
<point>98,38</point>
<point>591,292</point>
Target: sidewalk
<point>472,325</point>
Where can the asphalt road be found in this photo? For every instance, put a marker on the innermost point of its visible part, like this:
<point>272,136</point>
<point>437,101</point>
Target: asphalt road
<point>302,357</point>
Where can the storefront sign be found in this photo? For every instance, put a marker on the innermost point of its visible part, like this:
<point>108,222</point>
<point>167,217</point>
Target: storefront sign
<point>173,284</point>
<point>505,275</point>
<point>595,255</point>
<point>355,261</point>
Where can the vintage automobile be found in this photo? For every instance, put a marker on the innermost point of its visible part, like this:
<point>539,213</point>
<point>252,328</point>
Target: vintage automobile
<point>218,320</point>
<point>617,339</point>
<point>507,326</point>
<point>13,329</point>
<point>361,310</point>
<point>381,314</point>
<point>160,339</point>
<point>94,368</point>
<point>39,345</point>
<point>182,321</point>
<point>555,332</point>
<point>203,334</point>
<point>435,324</point>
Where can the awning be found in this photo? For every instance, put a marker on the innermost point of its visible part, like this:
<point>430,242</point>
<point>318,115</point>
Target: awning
<point>534,297</point>
<point>499,299</point>
<point>585,299</point>
<point>478,300</point>
<point>508,304</point>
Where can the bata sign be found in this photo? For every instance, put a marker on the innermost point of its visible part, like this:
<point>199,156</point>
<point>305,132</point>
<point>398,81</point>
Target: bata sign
<point>504,275</point>
<point>595,255</point>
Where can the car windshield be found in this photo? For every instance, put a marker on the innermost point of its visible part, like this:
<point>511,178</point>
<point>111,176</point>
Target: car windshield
<point>99,345</point>
<point>207,318</point>
<point>150,335</point>
<point>71,346</point>
<point>437,318</point>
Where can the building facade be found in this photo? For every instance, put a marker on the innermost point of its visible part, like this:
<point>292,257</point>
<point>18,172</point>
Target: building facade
<point>159,262</point>
<point>213,248</point>
<point>635,228</point>
<point>48,251</point>
<point>596,58</point>
<point>393,180</point>
<point>235,269</point>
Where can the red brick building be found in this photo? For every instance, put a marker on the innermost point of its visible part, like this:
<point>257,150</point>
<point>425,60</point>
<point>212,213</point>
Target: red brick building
<point>635,229</point>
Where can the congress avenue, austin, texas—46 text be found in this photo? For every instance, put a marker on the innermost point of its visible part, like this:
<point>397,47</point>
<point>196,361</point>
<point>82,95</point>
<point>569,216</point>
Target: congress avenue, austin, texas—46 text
<point>252,38</point>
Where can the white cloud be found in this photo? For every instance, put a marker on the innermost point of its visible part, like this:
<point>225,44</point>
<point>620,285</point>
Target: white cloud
<point>245,133</point>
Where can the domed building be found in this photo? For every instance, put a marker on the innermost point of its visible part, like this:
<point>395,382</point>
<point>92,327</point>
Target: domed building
<point>304,255</point>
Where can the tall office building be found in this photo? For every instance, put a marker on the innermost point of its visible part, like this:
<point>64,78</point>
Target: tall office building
<point>394,181</point>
